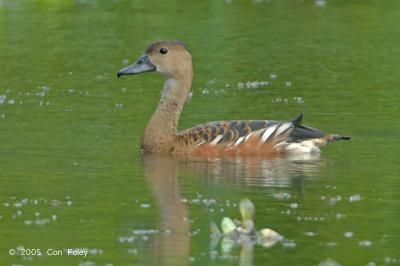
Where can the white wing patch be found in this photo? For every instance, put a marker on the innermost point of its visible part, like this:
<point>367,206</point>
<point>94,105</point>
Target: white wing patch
<point>283,127</point>
<point>216,140</point>
<point>238,141</point>
<point>268,132</point>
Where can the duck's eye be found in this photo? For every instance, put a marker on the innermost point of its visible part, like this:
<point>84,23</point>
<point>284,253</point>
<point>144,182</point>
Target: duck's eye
<point>163,50</point>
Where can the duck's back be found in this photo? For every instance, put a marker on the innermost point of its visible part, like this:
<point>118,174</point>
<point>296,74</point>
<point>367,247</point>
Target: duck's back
<point>252,137</point>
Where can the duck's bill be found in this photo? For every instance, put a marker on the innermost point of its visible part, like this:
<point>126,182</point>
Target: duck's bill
<point>141,66</point>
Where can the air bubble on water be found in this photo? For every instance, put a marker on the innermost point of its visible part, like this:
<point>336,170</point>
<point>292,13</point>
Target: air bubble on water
<point>95,251</point>
<point>348,234</point>
<point>126,239</point>
<point>320,3</point>
<point>354,198</point>
<point>329,262</point>
<point>334,200</point>
<point>288,243</point>
<point>331,244</point>
<point>298,100</point>
<point>55,203</point>
<point>282,195</point>
<point>42,221</point>
<point>133,251</point>
<point>205,91</point>
<point>390,260</point>
<point>3,99</point>
<point>310,234</point>
<point>365,243</point>
<point>340,216</point>
<point>18,204</point>
<point>190,95</point>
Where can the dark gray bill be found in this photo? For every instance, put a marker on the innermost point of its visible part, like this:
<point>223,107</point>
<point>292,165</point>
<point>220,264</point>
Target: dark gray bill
<point>142,65</point>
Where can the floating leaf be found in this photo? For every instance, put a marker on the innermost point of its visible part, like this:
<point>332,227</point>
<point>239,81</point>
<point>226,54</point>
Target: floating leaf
<point>269,237</point>
<point>227,225</point>
<point>246,208</point>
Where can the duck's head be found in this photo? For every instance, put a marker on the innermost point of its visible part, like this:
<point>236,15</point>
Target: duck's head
<point>170,58</point>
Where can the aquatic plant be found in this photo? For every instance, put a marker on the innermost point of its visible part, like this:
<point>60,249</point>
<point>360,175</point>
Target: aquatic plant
<point>243,232</point>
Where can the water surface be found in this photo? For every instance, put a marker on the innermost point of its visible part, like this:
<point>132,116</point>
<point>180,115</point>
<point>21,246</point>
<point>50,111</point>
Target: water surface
<point>71,173</point>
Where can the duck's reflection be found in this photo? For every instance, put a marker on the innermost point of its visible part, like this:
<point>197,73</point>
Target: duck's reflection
<point>173,247</point>
<point>252,171</point>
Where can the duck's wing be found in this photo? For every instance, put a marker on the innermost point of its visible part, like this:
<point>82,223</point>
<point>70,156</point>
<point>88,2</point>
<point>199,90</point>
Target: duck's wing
<point>253,134</point>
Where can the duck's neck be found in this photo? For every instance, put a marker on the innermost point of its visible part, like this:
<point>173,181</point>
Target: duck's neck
<point>162,127</point>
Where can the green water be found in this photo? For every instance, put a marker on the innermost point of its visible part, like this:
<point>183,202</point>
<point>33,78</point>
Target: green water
<point>70,169</point>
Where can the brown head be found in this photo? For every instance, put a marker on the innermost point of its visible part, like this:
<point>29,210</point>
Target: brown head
<point>170,58</point>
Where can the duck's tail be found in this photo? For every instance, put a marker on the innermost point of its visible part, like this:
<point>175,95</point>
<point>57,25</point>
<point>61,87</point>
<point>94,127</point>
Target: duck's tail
<point>302,132</point>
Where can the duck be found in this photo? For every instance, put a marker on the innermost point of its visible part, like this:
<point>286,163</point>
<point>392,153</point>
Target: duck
<point>173,60</point>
